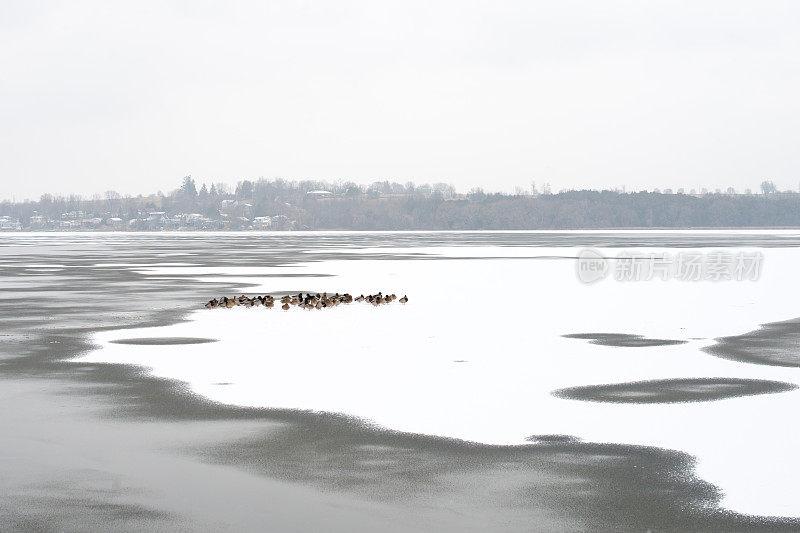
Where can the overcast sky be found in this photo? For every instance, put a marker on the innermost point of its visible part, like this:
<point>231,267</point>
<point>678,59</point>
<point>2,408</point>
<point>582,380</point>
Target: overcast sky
<point>132,96</point>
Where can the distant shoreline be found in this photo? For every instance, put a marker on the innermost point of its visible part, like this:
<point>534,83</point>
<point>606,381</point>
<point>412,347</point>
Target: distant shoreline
<point>346,230</point>
<point>303,206</point>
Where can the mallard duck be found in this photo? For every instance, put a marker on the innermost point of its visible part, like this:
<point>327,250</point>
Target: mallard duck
<point>304,301</point>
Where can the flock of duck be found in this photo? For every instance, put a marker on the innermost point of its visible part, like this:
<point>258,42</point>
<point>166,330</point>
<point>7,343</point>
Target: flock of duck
<point>307,301</point>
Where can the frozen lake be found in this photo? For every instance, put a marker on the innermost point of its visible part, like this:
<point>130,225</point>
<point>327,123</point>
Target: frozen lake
<point>500,342</point>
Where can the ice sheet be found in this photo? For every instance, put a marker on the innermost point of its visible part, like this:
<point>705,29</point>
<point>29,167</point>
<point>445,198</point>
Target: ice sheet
<point>478,350</point>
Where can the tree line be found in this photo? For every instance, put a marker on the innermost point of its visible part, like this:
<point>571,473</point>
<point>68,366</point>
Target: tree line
<point>384,205</point>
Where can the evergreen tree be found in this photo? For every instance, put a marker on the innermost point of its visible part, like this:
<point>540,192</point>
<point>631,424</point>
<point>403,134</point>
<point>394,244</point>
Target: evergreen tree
<point>188,188</point>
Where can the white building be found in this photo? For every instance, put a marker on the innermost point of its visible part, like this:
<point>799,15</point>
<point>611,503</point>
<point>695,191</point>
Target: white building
<point>9,224</point>
<point>262,223</point>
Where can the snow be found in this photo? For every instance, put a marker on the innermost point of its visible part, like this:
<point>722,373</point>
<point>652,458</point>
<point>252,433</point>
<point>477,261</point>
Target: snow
<point>478,349</point>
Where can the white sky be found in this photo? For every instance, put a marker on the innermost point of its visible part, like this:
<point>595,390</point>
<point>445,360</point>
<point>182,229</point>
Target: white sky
<point>131,96</point>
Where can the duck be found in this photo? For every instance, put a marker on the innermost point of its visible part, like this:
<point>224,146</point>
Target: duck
<point>304,301</point>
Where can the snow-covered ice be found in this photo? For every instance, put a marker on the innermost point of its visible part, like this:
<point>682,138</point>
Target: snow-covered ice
<point>478,349</point>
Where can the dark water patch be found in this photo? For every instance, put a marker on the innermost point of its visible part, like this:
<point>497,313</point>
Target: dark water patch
<point>163,341</point>
<point>590,486</point>
<point>622,340</point>
<point>552,438</point>
<point>773,344</point>
<point>674,390</point>
<point>91,510</point>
